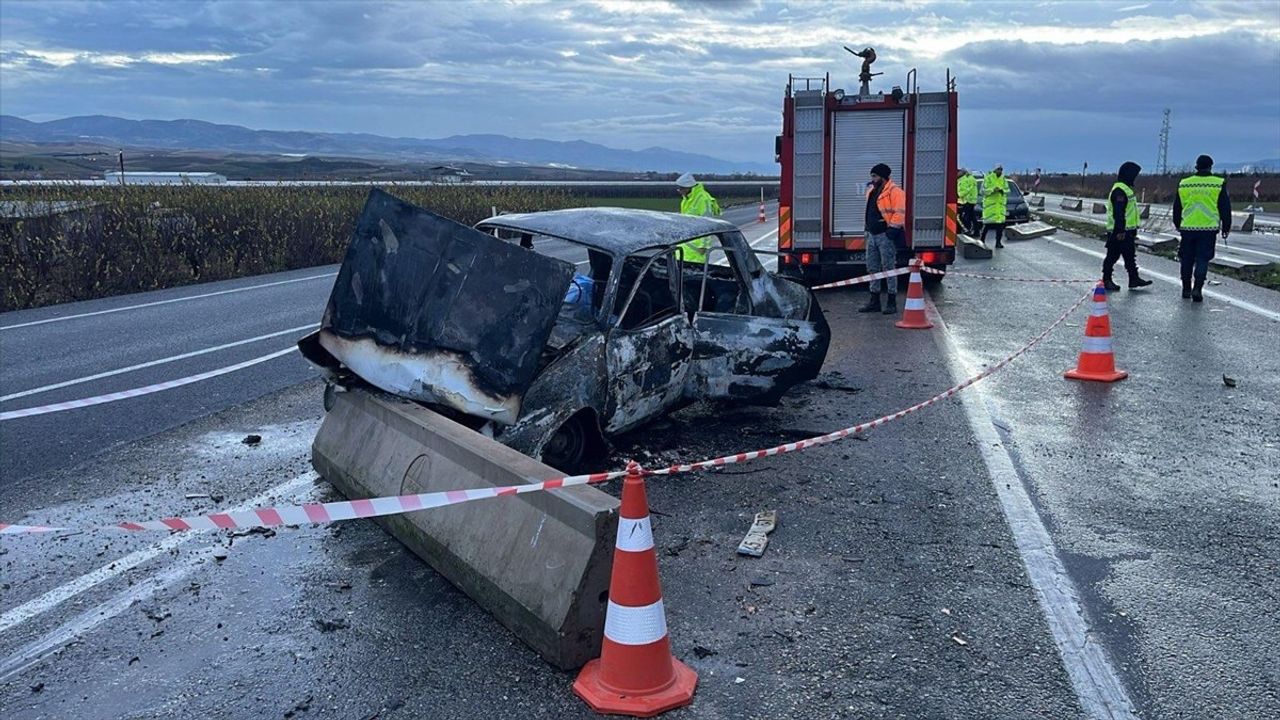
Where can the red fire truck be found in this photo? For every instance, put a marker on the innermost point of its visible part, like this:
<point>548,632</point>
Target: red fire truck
<point>830,140</point>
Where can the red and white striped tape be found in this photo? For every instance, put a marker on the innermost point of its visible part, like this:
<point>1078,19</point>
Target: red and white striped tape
<point>956,273</point>
<point>864,278</point>
<point>377,507</point>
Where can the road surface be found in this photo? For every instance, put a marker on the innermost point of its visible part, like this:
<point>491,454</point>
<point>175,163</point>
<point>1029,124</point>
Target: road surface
<point>1034,548</point>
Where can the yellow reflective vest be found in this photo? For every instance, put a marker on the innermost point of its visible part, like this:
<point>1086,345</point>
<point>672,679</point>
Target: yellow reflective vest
<point>698,202</point>
<point>1199,195</point>
<point>967,190</point>
<point>1131,219</point>
<point>995,193</point>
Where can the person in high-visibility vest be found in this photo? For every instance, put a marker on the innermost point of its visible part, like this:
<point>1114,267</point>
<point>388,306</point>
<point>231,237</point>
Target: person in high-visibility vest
<point>995,208</point>
<point>1122,228</point>
<point>695,200</point>
<point>966,198</point>
<point>1201,210</point>
<point>884,228</point>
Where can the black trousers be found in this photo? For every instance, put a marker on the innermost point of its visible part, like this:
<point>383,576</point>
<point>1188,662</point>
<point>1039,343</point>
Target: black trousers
<point>1195,251</point>
<point>966,217</point>
<point>1124,246</point>
<point>998,227</point>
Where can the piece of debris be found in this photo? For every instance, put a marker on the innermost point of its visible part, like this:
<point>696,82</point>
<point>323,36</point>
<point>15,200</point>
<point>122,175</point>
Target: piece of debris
<point>959,640</point>
<point>263,531</point>
<point>197,496</point>
<point>761,582</point>
<point>757,538</point>
<point>156,614</point>
<point>157,634</point>
<point>828,385</point>
<point>220,554</point>
<point>784,636</point>
<point>946,611</point>
<point>674,549</point>
<point>252,439</point>
<point>703,652</point>
<point>38,687</point>
<point>328,626</point>
<point>216,498</point>
<point>1228,381</point>
<point>134,659</point>
<point>739,681</point>
<point>303,706</point>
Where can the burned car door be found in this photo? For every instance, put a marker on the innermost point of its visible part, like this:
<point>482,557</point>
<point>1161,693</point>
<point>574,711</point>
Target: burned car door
<point>755,335</point>
<point>435,311</point>
<point>650,344</point>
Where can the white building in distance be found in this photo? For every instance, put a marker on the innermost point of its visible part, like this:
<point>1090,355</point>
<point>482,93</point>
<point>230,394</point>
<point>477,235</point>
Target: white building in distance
<point>164,178</point>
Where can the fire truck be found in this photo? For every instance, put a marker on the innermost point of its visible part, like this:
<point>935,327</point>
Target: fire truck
<point>831,139</point>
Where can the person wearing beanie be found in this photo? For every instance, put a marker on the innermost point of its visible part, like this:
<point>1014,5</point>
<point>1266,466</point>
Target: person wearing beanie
<point>695,200</point>
<point>995,204</point>
<point>1122,229</point>
<point>884,229</point>
<point>1201,210</point>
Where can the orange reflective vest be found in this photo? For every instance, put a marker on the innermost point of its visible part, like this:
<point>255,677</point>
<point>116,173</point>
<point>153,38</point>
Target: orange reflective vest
<point>892,204</point>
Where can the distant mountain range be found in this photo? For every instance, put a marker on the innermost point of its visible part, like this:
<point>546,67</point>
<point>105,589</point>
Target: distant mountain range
<point>488,149</point>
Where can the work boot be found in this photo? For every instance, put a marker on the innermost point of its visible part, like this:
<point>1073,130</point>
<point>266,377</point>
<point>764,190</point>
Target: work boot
<point>873,303</point>
<point>1136,282</point>
<point>1109,285</point>
<point>1186,288</point>
<point>1196,295</point>
<point>999,244</point>
<point>891,307</point>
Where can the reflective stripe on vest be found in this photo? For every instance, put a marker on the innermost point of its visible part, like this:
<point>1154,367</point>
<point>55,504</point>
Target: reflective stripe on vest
<point>892,204</point>
<point>1131,219</point>
<point>1199,195</point>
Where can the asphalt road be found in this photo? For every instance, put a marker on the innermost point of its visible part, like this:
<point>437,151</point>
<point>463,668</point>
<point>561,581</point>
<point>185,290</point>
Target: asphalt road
<point>936,568</point>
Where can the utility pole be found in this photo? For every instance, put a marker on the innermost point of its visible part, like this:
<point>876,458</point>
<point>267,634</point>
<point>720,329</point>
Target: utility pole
<point>122,168</point>
<point>1162,158</point>
<point>1083,170</point>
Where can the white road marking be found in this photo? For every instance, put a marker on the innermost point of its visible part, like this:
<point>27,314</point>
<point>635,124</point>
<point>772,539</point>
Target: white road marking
<point>1242,304</point>
<point>166,302</point>
<point>153,363</point>
<point>1238,248</point>
<point>140,391</point>
<point>1102,694</point>
<point>59,595</point>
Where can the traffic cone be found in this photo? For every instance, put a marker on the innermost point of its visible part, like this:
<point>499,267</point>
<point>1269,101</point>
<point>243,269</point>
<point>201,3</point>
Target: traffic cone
<point>913,317</point>
<point>1097,362</point>
<point>761,217</point>
<point>635,674</point>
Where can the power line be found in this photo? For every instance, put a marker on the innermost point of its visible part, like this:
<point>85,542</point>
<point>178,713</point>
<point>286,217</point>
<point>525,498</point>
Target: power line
<point>1162,159</point>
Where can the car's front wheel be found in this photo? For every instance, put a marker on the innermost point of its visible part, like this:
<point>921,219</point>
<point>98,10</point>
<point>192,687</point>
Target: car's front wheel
<point>576,445</point>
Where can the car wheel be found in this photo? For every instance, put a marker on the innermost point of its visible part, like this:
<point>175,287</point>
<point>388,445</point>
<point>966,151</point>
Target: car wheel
<point>330,396</point>
<point>567,449</point>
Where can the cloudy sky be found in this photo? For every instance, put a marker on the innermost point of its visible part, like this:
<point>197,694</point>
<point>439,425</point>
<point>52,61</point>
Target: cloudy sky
<point>1041,83</point>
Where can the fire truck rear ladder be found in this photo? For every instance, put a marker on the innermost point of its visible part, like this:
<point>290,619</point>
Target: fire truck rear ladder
<point>930,181</point>
<point>806,179</point>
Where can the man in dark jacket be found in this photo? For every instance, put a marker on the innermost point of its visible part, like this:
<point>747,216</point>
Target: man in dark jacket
<point>1201,210</point>
<point>1122,228</point>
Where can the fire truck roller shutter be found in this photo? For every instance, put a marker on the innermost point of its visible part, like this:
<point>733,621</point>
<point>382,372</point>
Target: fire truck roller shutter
<point>862,139</point>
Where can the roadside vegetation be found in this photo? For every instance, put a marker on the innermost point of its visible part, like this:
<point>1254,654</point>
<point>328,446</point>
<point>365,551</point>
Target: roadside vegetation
<point>63,243</point>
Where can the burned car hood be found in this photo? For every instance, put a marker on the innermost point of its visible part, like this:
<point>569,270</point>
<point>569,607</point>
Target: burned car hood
<point>433,310</point>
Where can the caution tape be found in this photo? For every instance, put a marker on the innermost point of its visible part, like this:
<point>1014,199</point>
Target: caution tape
<point>872,276</point>
<point>951,273</point>
<point>394,505</point>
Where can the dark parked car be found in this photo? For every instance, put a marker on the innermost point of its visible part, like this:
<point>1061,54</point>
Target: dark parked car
<point>1015,205</point>
<point>550,331</point>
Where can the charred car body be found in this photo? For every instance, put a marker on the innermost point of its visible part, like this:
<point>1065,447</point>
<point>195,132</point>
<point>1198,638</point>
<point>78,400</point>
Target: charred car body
<point>551,330</point>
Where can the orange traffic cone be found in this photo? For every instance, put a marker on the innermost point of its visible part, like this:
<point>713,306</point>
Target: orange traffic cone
<point>761,217</point>
<point>913,317</point>
<point>635,674</point>
<point>1097,362</point>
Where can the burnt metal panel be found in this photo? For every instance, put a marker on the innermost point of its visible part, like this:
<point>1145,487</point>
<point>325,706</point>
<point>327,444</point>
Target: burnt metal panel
<point>420,284</point>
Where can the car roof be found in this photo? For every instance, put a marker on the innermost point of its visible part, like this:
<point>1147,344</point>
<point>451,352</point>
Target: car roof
<point>619,231</point>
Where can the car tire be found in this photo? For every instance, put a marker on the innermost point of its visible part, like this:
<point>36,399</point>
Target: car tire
<point>575,445</point>
<point>330,396</point>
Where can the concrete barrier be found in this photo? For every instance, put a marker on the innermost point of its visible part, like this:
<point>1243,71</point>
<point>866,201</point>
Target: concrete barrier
<point>1036,201</point>
<point>1027,231</point>
<point>974,249</point>
<point>1072,204</point>
<point>1241,222</point>
<point>1238,263</point>
<point>538,562</point>
<point>1156,242</point>
<point>1144,212</point>
<point>1099,208</point>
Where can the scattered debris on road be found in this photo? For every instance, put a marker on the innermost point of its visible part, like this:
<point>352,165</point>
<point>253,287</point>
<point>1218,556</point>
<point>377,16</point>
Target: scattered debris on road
<point>251,440</point>
<point>328,626</point>
<point>757,538</point>
<point>1228,381</point>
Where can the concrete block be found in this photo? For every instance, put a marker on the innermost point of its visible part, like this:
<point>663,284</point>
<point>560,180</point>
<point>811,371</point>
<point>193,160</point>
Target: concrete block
<point>538,562</point>
<point>1072,204</point>
<point>1036,201</point>
<point>974,249</point>
<point>1241,222</point>
<point>1156,242</point>
<point>1238,263</point>
<point>1026,231</point>
<point>1099,208</point>
<point>1144,211</point>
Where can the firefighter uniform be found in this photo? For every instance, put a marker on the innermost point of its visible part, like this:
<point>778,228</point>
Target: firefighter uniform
<point>967,198</point>
<point>1201,211</point>
<point>696,201</point>
<point>1122,228</point>
<point>995,208</point>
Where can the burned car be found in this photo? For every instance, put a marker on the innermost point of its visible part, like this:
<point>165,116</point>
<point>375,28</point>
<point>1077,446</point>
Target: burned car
<point>550,331</point>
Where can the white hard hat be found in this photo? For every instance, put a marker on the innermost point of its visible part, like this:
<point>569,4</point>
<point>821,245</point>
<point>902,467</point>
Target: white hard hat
<point>686,181</point>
